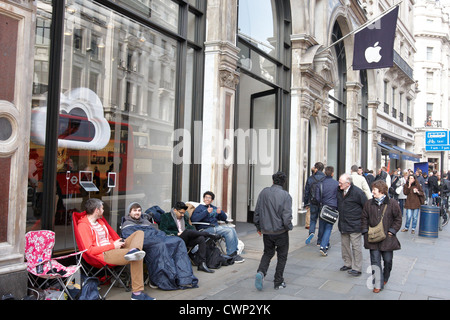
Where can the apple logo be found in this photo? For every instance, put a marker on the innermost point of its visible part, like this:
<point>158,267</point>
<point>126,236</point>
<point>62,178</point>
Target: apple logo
<point>372,54</point>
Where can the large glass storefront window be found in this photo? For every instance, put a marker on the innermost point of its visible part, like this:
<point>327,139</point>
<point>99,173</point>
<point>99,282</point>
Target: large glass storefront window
<point>117,112</point>
<point>258,24</point>
<point>263,102</point>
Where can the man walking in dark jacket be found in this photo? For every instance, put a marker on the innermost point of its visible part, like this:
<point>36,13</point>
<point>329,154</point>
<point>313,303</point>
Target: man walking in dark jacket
<point>312,185</point>
<point>328,196</point>
<point>273,219</point>
<point>351,200</point>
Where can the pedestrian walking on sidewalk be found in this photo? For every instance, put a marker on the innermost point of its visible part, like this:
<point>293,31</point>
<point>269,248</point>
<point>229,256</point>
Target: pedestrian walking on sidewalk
<point>413,191</point>
<point>381,208</point>
<point>351,200</point>
<point>327,195</point>
<point>273,219</point>
<point>309,200</point>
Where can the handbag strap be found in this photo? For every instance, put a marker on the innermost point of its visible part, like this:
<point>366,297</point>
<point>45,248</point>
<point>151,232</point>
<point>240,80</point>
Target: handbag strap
<point>382,215</point>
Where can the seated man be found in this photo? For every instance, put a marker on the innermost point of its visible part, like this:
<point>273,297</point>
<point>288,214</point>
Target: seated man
<point>168,263</point>
<point>210,214</point>
<point>176,223</point>
<point>112,249</point>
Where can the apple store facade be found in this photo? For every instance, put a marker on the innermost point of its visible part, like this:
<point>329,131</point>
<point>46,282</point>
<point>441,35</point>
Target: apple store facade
<point>159,101</point>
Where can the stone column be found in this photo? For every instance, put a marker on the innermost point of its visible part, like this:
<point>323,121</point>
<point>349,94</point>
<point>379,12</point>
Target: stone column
<point>353,149</point>
<point>372,161</point>
<point>221,79</point>
<point>17,27</point>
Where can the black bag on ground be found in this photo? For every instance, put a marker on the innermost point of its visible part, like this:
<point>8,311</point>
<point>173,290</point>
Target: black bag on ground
<point>87,290</point>
<point>214,258</point>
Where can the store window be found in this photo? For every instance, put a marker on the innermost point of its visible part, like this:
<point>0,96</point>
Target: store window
<point>117,112</point>
<point>258,25</point>
<point>338,107</point>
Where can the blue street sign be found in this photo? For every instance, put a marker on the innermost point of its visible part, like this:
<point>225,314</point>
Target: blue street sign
<point>437,141</point>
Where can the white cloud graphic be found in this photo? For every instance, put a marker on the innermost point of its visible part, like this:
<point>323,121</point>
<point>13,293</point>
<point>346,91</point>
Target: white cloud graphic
<point>75,100</point>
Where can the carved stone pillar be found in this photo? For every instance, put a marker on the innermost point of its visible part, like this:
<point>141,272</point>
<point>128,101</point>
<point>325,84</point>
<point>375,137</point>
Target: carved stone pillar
<point>309,107</point>
<point>221,79</point>
<point>353,124</point>
<point>17,29</point>
<point>372,156</point>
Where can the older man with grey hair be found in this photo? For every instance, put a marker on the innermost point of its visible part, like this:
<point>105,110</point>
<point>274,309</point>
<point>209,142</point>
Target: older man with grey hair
<point>351,200</point>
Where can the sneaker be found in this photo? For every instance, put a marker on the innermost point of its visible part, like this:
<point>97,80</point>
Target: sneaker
<point>238,259</point>
<point>323,251</point>
<point>134,255</point>
<point>308,240</point>
<point>280,286</point>
<point>259,281</point>
<point>141,296</point>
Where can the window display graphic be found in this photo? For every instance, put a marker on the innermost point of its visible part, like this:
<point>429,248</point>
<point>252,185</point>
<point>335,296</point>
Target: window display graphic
<point>82,124</point>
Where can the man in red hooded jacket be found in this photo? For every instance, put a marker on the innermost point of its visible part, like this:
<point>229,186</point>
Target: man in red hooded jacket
<point>103,242</point>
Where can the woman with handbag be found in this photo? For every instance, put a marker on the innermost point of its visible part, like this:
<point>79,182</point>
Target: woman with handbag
<point>413,191</point>
<point>381,220</point>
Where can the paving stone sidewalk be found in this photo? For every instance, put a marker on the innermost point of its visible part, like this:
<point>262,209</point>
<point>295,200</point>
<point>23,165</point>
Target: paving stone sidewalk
<point>420,272</point>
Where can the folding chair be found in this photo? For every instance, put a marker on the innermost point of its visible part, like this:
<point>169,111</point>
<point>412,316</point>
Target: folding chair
<point>40,264</point>
<point>96,267</point>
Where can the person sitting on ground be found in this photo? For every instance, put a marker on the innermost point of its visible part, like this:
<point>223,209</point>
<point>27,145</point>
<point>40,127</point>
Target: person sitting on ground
<point>110,248</point>
<point>210,214</point>
<point>176,223</point>
<point>168,263</point>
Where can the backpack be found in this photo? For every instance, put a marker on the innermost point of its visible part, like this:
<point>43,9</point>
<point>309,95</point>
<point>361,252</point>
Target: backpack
<point>155,213</point>
<point>214,258</point>
<point>89,289</point>
<point>312,191</point>
<point>86,290</point>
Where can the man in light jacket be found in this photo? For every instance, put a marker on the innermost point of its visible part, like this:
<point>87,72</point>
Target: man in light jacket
<point>273,219</point>
<point>361,182</point>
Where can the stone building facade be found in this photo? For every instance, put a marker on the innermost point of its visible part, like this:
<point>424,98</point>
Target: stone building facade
<point>191,96</point>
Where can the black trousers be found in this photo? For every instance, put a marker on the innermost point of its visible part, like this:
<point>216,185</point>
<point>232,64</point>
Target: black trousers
<point>193,237</point>
<point>278,243</point>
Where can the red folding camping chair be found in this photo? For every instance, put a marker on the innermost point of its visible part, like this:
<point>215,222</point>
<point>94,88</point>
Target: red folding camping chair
<point>40,264</point>
<point>106,273</point>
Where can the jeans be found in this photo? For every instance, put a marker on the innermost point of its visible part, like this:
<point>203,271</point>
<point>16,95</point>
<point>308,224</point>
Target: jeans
<point>314,214</point>
<point>280,244</point>
<point>324,233</point>
<point>230,235</point>
<point>411,214</point>
<point>381,274</point>
<point>401,203</point>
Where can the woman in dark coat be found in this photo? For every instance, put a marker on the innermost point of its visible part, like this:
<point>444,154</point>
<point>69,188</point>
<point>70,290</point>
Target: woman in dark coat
<point>392,222</point>
<point>413,191</point>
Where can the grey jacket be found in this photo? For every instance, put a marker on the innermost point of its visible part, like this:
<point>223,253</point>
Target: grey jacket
<point>273,211</point>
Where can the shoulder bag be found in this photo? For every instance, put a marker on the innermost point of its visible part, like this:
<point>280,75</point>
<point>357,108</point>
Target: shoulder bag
<point>376,234</point>
<point>329,214</point>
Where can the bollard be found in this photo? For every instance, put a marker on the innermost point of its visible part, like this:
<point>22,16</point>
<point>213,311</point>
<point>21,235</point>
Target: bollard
<point>301,217</point>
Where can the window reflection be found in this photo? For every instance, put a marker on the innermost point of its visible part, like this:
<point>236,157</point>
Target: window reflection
<point>127,69</point>
<point>257,24</point>
<point>163,12</point>
<point>257,64</point>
